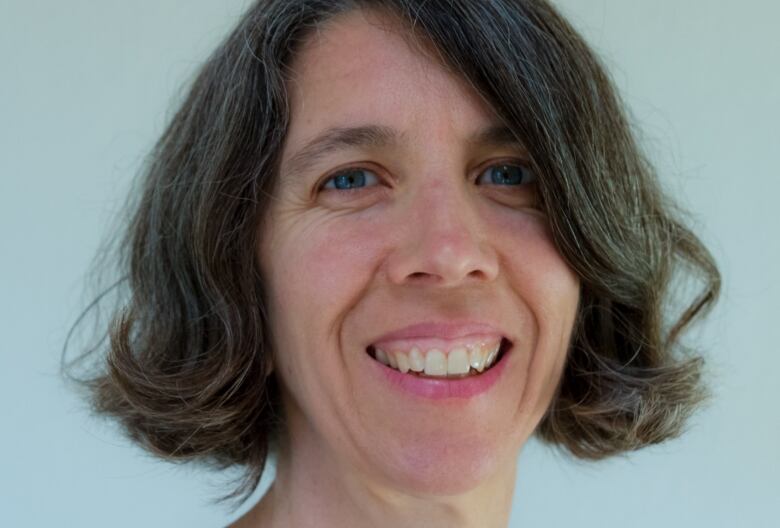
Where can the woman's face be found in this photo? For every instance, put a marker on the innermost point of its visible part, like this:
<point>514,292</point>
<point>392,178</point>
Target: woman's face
<point>416,231</point>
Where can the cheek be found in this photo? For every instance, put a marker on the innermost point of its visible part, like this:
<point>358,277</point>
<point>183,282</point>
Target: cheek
<point>549,290</point>
<point>532,261</point>
<point>318,266</point>
<point>314,268</point>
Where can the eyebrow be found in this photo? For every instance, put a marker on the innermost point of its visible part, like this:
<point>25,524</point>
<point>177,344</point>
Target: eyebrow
<point>378,136</point>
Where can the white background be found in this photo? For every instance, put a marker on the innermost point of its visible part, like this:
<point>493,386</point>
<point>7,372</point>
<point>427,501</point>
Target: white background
<point>86,86</point>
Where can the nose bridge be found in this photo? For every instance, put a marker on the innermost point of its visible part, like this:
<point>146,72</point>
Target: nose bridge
<point>444,214</point>
<point>443,242</point>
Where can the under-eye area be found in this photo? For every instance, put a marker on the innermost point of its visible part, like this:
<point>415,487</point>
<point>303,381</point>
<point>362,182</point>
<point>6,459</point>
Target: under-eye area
<point>461,361</point>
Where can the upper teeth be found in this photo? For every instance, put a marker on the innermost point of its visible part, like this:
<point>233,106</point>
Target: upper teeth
<point>436,362</point>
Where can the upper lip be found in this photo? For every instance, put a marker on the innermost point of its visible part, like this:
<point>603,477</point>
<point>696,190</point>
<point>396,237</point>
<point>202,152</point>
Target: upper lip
<point>440,329</point>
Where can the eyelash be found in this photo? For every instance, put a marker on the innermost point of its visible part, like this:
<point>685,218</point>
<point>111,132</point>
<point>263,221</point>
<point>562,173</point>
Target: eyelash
<point>514,164</point>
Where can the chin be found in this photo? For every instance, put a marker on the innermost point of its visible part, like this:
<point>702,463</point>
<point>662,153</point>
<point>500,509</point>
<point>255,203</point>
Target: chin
<point>445,471</point>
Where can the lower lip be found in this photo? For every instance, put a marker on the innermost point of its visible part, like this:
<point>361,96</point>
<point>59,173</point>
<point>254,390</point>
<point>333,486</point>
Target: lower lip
<point>442,389</point>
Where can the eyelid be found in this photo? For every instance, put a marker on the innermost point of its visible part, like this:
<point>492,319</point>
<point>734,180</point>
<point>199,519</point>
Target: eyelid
<point>519,162</point>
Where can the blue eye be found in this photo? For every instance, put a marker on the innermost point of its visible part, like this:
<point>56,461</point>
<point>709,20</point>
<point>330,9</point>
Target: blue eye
<point>506,174</point>
<point>350,179</point>
<point>501,174</point>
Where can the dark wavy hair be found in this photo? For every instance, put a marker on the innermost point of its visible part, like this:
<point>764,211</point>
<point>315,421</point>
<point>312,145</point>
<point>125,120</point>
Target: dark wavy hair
<point>186,368</point>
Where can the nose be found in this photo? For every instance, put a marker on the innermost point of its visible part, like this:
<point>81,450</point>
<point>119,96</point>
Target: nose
<point>444,241</point>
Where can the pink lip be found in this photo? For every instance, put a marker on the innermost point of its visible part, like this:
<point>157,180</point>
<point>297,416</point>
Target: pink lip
<point>442,330</point>
<point>439,389</point>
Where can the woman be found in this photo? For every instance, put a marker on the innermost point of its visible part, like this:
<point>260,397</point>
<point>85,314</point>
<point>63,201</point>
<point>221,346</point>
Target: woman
<point>386,242</point>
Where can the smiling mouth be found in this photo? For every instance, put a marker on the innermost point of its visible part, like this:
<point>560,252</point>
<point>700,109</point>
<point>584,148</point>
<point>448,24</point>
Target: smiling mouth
<point>462,361</point>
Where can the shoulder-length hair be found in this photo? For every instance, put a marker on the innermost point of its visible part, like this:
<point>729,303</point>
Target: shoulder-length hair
<point>187,368</point>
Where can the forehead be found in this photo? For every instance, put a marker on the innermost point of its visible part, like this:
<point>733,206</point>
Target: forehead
<point>362,68</point>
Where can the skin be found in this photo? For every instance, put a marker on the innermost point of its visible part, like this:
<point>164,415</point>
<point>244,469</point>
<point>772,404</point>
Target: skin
<point>429,239</point>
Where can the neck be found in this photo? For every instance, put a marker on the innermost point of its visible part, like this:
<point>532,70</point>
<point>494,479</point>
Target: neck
<point>313,489</point>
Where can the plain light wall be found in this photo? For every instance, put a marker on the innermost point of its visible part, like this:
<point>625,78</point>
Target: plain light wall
<point>88,85</point>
